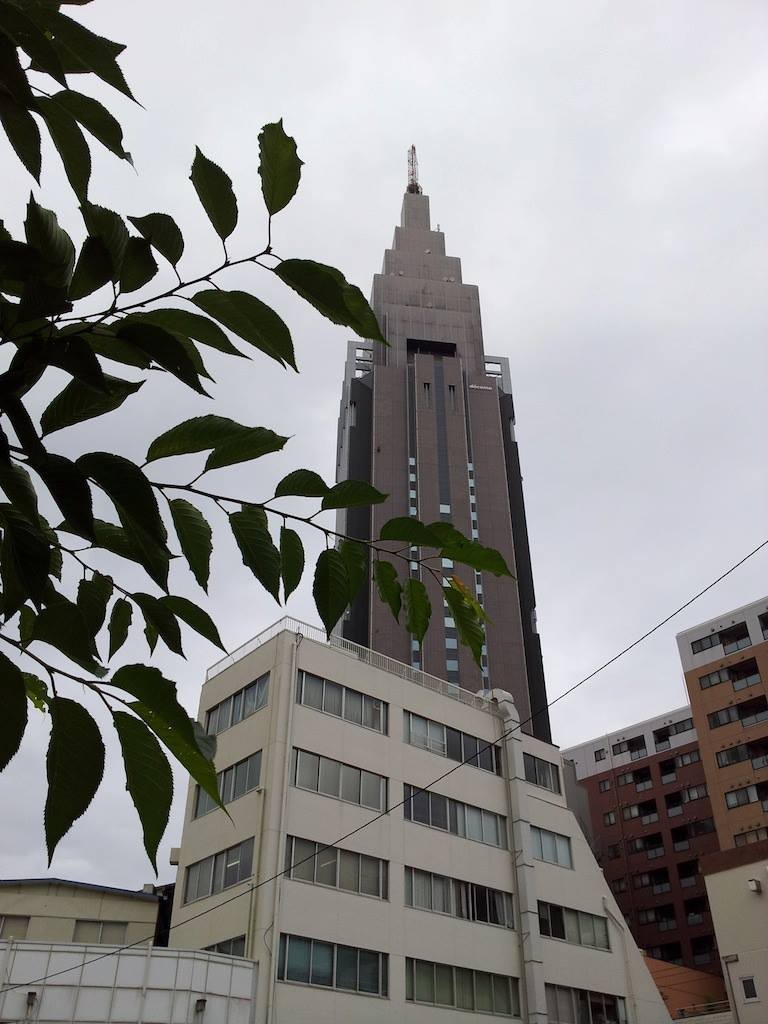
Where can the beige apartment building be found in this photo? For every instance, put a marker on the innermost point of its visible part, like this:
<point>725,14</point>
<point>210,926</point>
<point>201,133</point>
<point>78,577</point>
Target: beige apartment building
<point>394,847</point>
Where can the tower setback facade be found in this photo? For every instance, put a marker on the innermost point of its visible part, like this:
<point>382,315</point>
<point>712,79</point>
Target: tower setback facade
<point>430,422</point>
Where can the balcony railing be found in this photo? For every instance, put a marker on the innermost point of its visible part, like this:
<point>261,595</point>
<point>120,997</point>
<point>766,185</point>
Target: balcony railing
<point>760,762</point>
<point>759,716</point>
<point>736,645</point>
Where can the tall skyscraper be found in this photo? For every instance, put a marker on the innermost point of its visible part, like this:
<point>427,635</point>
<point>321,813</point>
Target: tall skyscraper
<point>430,421</point>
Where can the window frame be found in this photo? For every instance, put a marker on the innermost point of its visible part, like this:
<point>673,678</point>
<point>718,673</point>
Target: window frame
<point>474,750</point>
<point>321,849</point>
<point>261,700</point>
<point>382,966</point>
<point>366,700</point>
<point>419,801</point>
<point>461,894</point>
<point>537,844</point>
<point>203,803</point>
<point>298,755</point>
<point>215,866</point>
<point>459,976</point>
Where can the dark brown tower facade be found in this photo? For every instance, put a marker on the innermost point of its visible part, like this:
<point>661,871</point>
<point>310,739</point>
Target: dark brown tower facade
<point>430,421</point>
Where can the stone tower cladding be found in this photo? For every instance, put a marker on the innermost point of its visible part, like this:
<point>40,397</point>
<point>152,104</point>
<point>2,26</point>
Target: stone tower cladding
<point>425,422</point>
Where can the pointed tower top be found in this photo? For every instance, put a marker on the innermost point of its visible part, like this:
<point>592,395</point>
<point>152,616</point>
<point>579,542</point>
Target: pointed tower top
<point>413,172</point>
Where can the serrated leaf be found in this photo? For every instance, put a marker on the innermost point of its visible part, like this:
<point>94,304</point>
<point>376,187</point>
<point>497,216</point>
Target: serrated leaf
<point>250,319</point>
<point>93,269</point>
<point>194,536</point>
<point>110,228</point>
<point>129,491</point>
<point>93,596</point>
<point>291,560</point>
<point>409,530</point>
<point>163,348</point>
<point>148,777</point>
<point>25,561</point>
<point>75,767</point>
<point>388,586</point>
<point>214,190</point>
<point>95,118</point>
<point>27,619</point>
<point>477,557</point>
<point>330,293</point>
<point>138,267</point>
<point>70,143</point>
<point>77,402</point>
<point>119,624</point>
<point>279,167</point>
<point>23,134</point>
<point>355,557</point>
<point>302,482</point>
<point>470,629</point>
<point>13,79</point>
<point>251,532</point>
<point>69,489</point>
<point>19,489</point>
<point>151,636</point>
<point>33,41</point>
<point>131,542</point>
<point>13,720</point>
<point>330,588</point>
<point>417,608</point>
<point>231,442</point>
<point>352,494</point>
<point>41,228</point>
<point>162,619</point>
<point>105,343</point>
<point>63,626</point>
<point>37,691</point>
<point>196,618</point>
<point>181,321</point>
<point>87,51</point>
<point>162,232</point>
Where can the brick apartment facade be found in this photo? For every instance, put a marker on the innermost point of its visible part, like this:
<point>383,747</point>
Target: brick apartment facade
<point>651,823</point>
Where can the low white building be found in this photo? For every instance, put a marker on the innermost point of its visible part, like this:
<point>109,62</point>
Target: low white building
<point>365,897</point>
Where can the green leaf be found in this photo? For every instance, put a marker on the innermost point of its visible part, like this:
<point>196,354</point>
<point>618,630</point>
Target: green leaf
<point>128,489</point>
<point>25,561</point>
<point>214,190</point>
<point>161,618</point>
<point>95,118</point>
<point>93,596</point>
<point>32,40</point>
<point>77,45</point>
<point>139,265</point>
<point>75,767</point>
<point>104,342</point>
<point>63,626</point>
<point>330,293</point>
<point>23,134</point>
<point>71,145</point>
<point>470,629</point>
<point>302,482</point>
<point>409,530</point>
<point>75,356</point>
<point>163,348</point>
<point>158,706</point>
<point>231,442</point>
<point>19,489</point>
<point>469,552</point>
<point>68,487</point>
<point>13,720</point>
<point>93,270</point>
<point>77,402</point>
<point>13,79</point>
<point>417,608</point>
<point>148,778</point>
<point>135,543</point>
<point>162,233</point>
<point>330,588</point>
<point>42,231</point>
<point>37,691</point>
<point>352,494</point>
<point>388,586</point>
<point>260,555</point>
<point>279,167</point>
<point>110,228</point>
<point>251,320</point>
<point>291,560</point>
<point>27,618</point>
<point>194,617</point>
<point>151,636</point>
<point>355,557</point>
<point>180,321</point>
<point>119,624</point>
<point>194,535</point>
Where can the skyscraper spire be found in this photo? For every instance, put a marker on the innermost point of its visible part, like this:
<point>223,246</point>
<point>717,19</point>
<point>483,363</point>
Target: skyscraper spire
<point>413,171</point>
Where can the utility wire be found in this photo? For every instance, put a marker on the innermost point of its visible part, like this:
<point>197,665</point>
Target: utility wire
<point>415,790</point>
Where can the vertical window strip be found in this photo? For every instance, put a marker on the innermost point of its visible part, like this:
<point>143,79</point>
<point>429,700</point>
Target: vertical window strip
<point>461,988</point>
<point>341,781</point>
<point>314,962</point>
<point>342,702</point>
<point>233,782</point>
<point>467,900</point>
<point>465,820</point>
<point>237,706</point>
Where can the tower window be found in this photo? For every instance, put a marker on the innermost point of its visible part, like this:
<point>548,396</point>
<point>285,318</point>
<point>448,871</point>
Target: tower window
<point>452,396</point>
<point>353,414</point>
<point>427,394</point>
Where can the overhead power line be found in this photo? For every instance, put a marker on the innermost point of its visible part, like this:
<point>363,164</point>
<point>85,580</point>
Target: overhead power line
<point>422,789</point>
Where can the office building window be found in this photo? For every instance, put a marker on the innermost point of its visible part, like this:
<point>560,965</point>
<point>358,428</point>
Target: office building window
<point>240,705</point>
<point>568,1005</point>
<point>704,643</point>
<point>308,861</point>
<point>111,933</point>
<point>551,847</point>
<point>313,962</point>
<point>690,757</point>
<point>13,926</point>
<point>619,885</point>
<point>220,871</point>
<point>749,989</point>
<point>541,773</point>
<point>754,835</point>
<point>342,702</point>
<point>604,785</point>
<point>609,818</point>
<point>429,808</point>
<point>743,796</point>
<point>600,754</point>
<point>233,783</point>
<point>341,781</point>
<point>467,900</point>
<point>574,926</point>
<point>461,988</point>
<point>231,947</point>
<point>451,743</point>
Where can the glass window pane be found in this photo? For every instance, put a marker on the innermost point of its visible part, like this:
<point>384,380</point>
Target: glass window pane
<point>480,902</point>
<point>212,726</point>
<point>325,872</point>
<point>349,869</point>
<point>225,714</point>
<point>465,989</point>
<point>237,946</point>
<point>330,777</point>
<point>418,732</point>
<point>556,921</point>
<point>346,967</point>
<point>409,979</point>
<point>601,933</point>
<point>490,828</point>
<point>332,698</point>
<point>453,744</point>
<point>461,899</point>
<point>544,928</point>
<point>281,957</point>
<point>549,846</point>
<point>441,894</point>
<point>368,978</point>
<point>564,851</point>
<point>262,693</point>
<point>246,858</point>
<point>85,931</point>
<point>298,959</point>
<point>597,1008</point>
<point>438,811</point>
<point>240,779</point>
<point>483,991</point>
<point>313,691</point>
<point>372,713</point>
<point>572,933</point>
<point>350,784</point>
<point>254,770</point>
<point>424,981</point>
<point>538,850</point>
<point>322,963</point>
<point>249,700</point>
<point>212,873</point>
<point>565,1005</point>
<point>353,707</point>
<point>474,823</point>
<point>469,747</point>
<point>444,985</point>
<point>420,807</point>
<point>552,1013</point>
<point>307,770</point>
<point>303,868</point>
<point>14,926</point>
<point>371,791</point>
<point>237,707</point>
<point>232,867</point>
<point>422,889</point>
<point>436,737</point>
<point>193,879</point>
<point>486,757</point>
<point>529,764</point>
<point>370,882</point>
<point>502,1001</point>
<point>587,925</point>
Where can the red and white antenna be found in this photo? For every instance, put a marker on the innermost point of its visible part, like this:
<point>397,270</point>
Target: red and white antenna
<point>413,171</point>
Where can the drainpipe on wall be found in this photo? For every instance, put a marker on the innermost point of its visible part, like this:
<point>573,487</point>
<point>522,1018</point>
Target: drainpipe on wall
<point>533,994</point>
<point>622,930</point>
<point>727,961</point>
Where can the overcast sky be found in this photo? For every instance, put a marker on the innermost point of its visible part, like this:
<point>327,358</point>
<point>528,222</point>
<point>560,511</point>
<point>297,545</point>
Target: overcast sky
<point>601,170</point>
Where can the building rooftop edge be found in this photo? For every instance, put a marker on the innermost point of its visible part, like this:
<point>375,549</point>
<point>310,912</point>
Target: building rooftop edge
<point>723,615</point>
<point>134,893</point>
<point>632,725</point>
